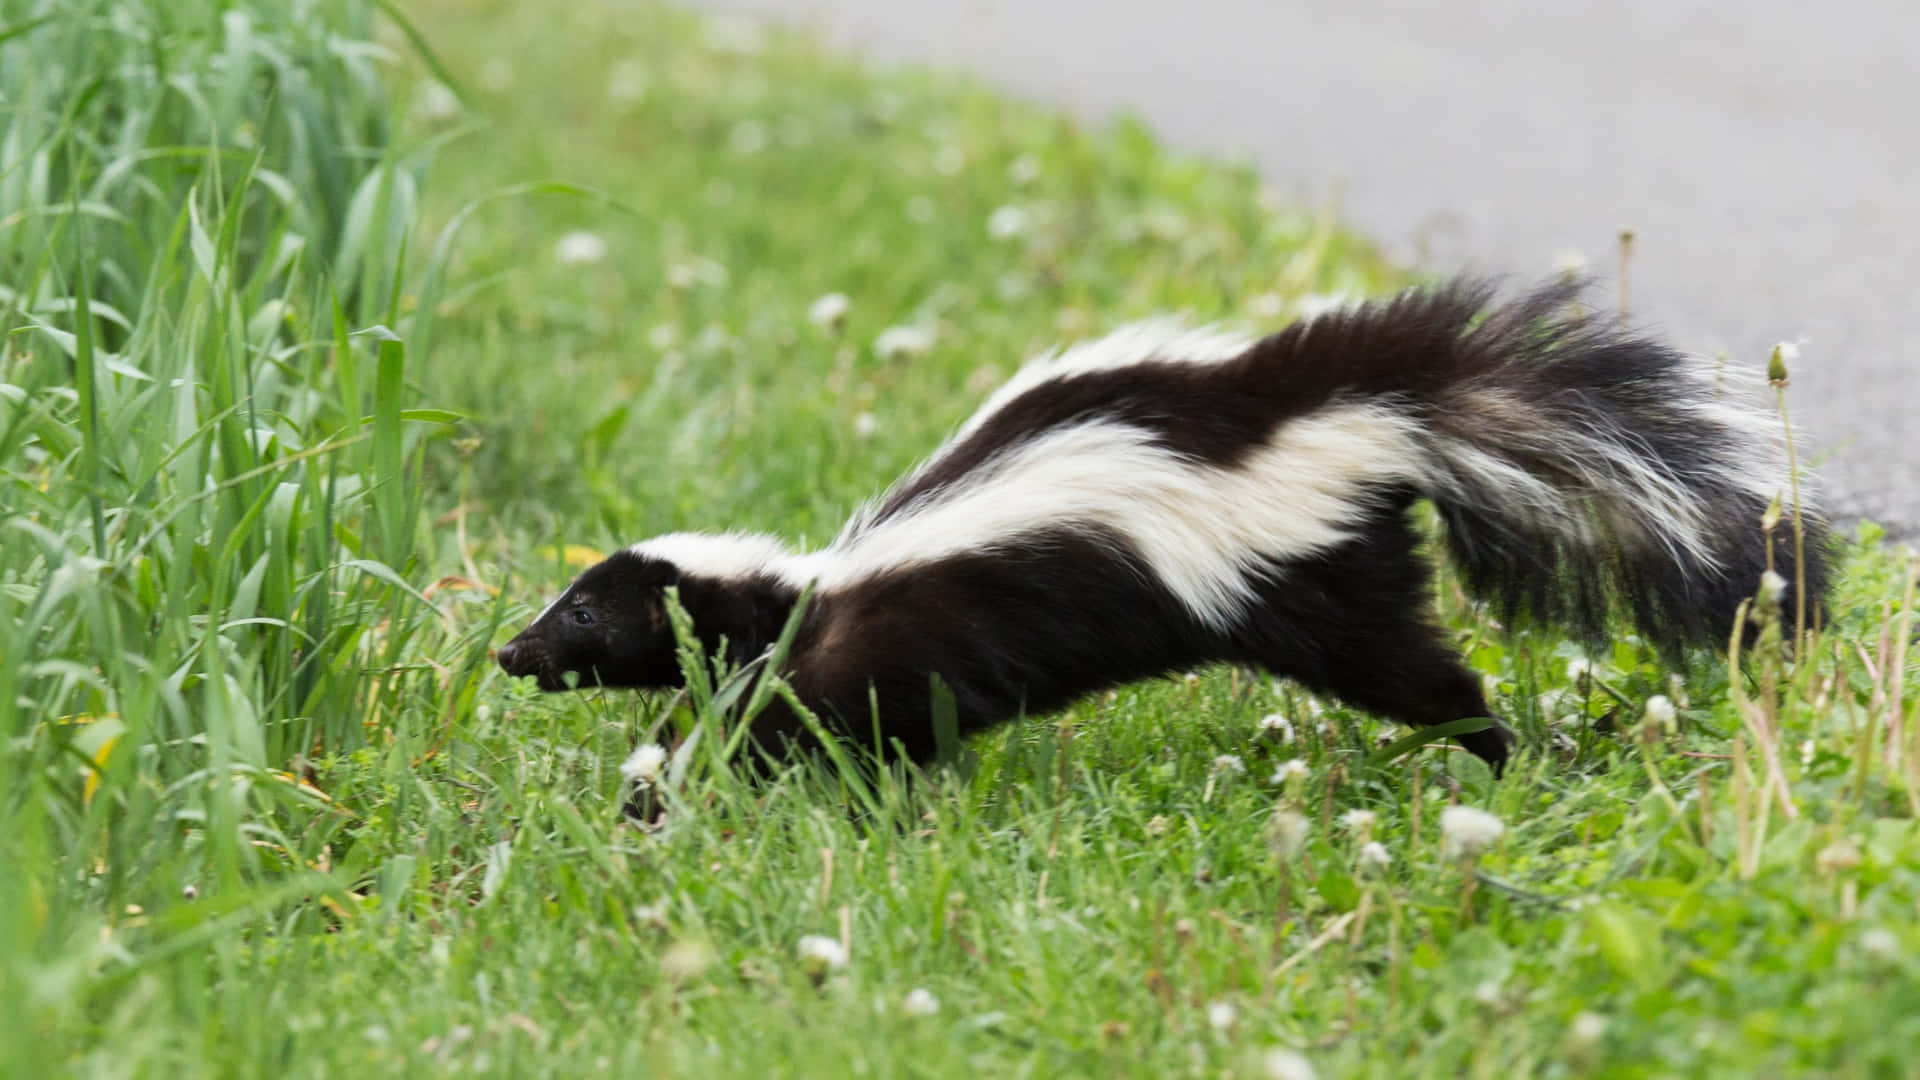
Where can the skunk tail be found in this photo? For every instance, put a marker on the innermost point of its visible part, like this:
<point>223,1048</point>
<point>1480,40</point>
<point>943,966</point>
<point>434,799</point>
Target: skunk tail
<point>1577,466</point>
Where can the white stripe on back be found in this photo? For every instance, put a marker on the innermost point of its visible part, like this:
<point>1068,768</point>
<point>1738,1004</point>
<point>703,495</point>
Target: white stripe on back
<point>1166,340</point>
<point>1207,533</point>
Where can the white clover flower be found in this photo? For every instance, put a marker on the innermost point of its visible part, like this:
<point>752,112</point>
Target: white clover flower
<point>1158,824</point>
<point>682,276</point>
<point>1222,1016</point>
<point>435,101</point>
<point>644,765</point>
<point>1007,222</point>
<point>865,424</point>
<point>1024,170</point>
<point>1660,712</point>
<point>654,914</point>
<point>1280,1064</point>
<point>1466,831</point>
<point>714,339</point>
<point>902,341</point>
<point>819,955</point>
<point>1587,1029</point>
<point>496,74</point>
<point>683,960</point>
<point>627,83</point>
<point>1359,821</point>
<point>1293,771</point>
<point>1570,263</point>
<point>1288,831</point>
<point>483,713</point>
<point>1882,945</point>
<point>1277,727</point>
<point>919,1002</point>
<point>1374,857</point>
<point>1487,992</point>
<point>748,137</point>
<point>1229,765</point>
<point>829,311</point>
<point>1837,856</point>
<point>579,248</point>
<point>1773,588</point>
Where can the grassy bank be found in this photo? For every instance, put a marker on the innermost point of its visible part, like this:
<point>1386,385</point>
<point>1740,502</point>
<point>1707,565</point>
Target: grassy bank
<point>322,374</point>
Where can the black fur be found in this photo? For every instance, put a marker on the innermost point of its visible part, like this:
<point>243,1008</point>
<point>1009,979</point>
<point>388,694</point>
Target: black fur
<point>1046,617</point>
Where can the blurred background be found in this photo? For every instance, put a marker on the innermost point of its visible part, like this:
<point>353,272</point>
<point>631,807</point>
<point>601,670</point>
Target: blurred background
<point>1763,154</point>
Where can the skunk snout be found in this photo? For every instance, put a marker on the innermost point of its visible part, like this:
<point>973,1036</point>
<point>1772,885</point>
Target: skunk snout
<point>513,657</point>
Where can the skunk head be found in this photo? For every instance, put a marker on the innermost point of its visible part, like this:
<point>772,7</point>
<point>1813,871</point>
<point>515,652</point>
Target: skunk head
<point>609,628</point>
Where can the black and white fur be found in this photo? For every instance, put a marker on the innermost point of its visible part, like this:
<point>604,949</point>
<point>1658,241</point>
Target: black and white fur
<point>1163,498</point>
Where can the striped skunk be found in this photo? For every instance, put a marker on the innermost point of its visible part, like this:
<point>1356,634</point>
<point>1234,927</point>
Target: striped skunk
<point>1163,498</point>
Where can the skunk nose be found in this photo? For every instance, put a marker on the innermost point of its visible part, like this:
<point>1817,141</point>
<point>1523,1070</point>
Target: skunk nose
<point>508,655</point>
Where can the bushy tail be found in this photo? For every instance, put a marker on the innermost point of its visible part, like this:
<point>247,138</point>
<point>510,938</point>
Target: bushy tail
<point>1578,466</point>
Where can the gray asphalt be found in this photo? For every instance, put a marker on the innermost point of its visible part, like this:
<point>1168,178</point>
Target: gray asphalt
<point>1766,153</point>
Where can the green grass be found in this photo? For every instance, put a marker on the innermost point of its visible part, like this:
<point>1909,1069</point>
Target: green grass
<point>267,809</point>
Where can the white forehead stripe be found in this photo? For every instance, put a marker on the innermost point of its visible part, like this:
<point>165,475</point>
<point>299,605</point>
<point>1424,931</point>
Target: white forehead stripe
<point>718,555</point>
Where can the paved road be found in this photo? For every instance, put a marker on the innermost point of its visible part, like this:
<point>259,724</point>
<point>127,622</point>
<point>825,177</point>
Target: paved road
<point>1766,151</point>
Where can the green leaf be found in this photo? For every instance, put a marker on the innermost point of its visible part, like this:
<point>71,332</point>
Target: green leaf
<point>1429,735</point>
<point>1338,888</point>
<point>1624,940</point>
<point>421,416</point>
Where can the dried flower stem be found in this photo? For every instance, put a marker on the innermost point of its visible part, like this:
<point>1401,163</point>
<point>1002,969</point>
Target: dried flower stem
<point>1659,786</point>
<point>1331,933</point>
<point>1744,845</point>
<point>1799,530</point>
<point>1467,883</point>
<point>1626,258</point>
<point>1394,961</point>
<point>1762,719</point>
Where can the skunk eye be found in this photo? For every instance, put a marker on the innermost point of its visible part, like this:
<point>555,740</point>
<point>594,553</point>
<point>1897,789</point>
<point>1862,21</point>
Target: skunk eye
<point>581,616</point>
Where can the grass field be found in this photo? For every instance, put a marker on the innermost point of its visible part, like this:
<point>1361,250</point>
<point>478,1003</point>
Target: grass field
<point>338,343</point>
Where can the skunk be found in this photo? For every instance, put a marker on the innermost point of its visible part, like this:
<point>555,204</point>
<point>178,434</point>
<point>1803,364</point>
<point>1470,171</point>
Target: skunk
<point>1165,497</point>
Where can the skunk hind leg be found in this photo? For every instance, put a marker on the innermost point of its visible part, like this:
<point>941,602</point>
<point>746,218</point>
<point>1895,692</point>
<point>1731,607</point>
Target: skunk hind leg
<point>1354,625</point>
<point>1414,679</point>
